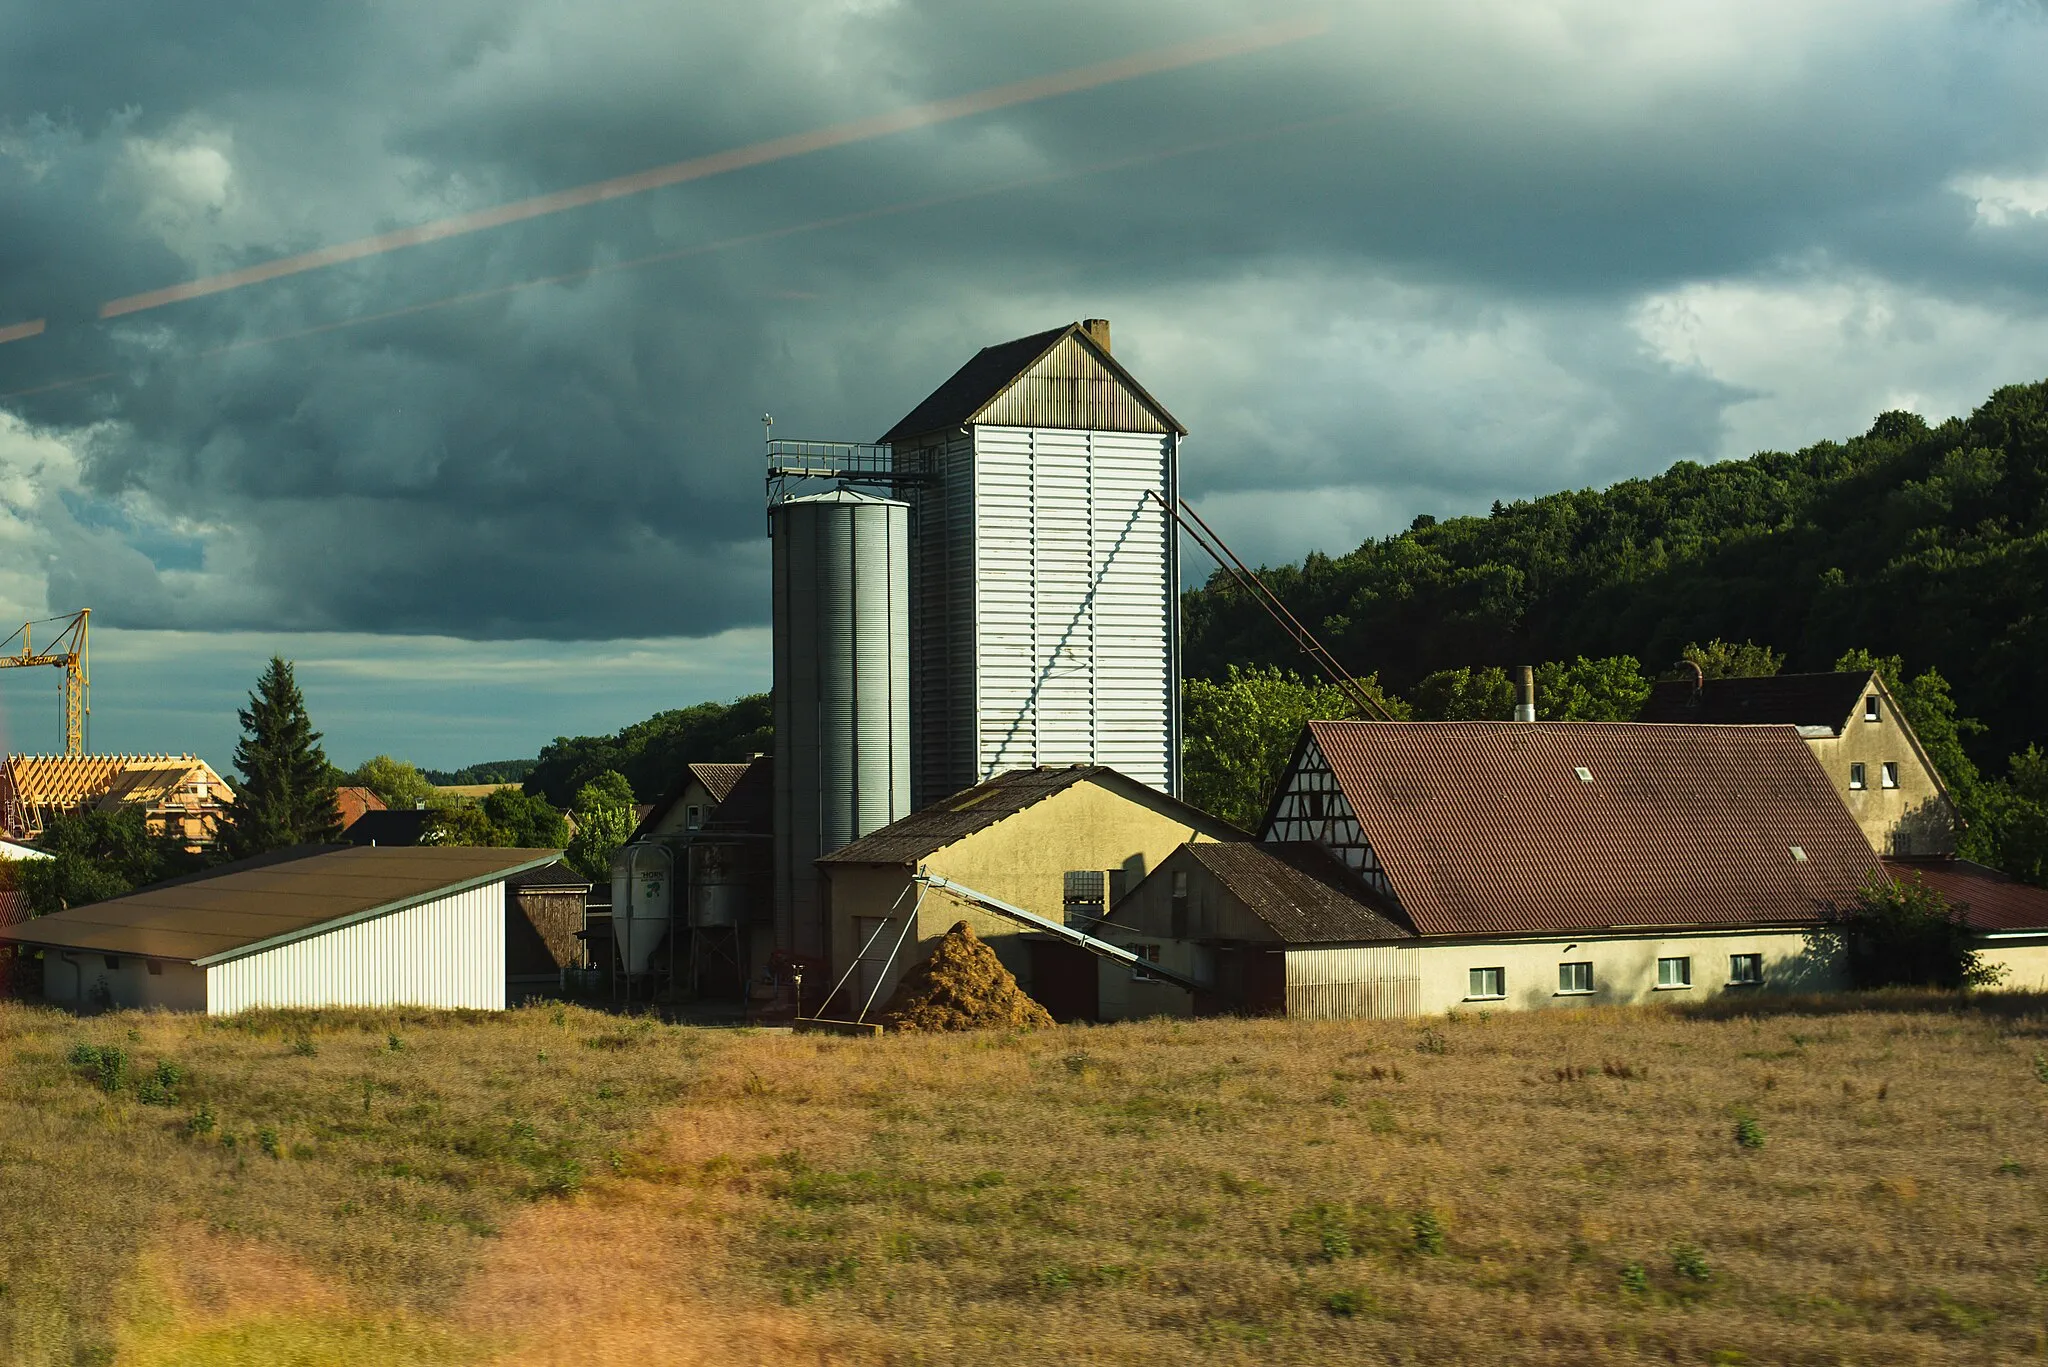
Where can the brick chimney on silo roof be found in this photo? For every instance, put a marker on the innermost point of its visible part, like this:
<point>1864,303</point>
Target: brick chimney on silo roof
<point>1097,330</point>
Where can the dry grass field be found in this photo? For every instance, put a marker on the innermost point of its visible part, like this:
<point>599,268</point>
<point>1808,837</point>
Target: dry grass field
<point>1819,1182</point>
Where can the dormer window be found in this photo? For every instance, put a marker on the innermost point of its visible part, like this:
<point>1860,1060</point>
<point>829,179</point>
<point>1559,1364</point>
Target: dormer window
<point>1870,708</point>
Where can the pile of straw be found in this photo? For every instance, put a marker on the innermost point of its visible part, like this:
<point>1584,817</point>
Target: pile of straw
<point>963,986</point>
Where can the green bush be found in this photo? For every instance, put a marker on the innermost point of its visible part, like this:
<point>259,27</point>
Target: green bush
<point>160,1087</point>
<point>1429,1233</point>
<point>1749,1134</point>
<point>1690,1262</point>
<point>1636,1278</point>
<point>104,1064</point>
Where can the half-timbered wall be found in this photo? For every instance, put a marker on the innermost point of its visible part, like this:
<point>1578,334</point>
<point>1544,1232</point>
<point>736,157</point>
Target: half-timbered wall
<point>1312,807</point>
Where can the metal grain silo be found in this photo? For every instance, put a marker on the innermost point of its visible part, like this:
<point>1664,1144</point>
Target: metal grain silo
<point>842,690</point>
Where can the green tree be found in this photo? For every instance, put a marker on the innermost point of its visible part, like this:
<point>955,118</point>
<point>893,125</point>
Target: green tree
<point>1905,934</point>
<point>1483,694</point>
<point>96,854</point>
<point>2009,826</point>
<point>1719,659</point>
<point>651,753</point>
<point>460,823</point>
<point>604,821</point>
<point>1240,733</point>
<point>526,821</point>
<point>397,784</point>
<point>1611,689</point>
<point>286,796</point>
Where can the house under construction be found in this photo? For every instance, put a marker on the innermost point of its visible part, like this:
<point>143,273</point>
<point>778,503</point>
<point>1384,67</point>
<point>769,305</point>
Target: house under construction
<point>180,795</point>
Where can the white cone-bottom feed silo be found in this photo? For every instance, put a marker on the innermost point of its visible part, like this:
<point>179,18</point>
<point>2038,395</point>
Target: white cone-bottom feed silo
<point>842,690</point>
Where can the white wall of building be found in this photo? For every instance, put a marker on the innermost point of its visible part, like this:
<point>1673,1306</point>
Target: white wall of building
<point>449,952</point>
<point>87,981</point>
<point>1435,976</point>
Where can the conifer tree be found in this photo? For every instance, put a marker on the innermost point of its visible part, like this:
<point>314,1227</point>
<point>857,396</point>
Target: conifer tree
<point>286,796</point>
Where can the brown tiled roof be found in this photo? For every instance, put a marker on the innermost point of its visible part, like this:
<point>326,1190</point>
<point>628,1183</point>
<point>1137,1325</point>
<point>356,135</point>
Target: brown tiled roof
<point>719,778</point>
<point>351,801</point>
<point>1487,828</point>
<point>749,805</point>
<point>1990,900</point>
<point>210,917</point>
<point>1782,699</point>
<point>1300,890</point>
<point>973,809</point>
<point>744,792</point>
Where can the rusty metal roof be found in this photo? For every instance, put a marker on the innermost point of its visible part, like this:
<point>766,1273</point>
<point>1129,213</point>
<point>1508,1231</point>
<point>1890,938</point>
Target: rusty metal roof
<point>1488,827</point>
<point>1779,700</point>
<point>1299,889</point>
<point>210,918</point>
<point>974,809</point>
<point>1990,900</point>
<point>1068,398</point>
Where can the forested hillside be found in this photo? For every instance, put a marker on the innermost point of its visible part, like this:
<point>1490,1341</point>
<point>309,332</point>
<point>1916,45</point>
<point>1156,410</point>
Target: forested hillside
<point>1931,545</point>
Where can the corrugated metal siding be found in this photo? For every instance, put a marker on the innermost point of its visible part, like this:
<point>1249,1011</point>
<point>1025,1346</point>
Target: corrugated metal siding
<point>1076,603</point>
<point>449,952</point>
<point>1366,983</point>
<point>1068,387</point>
<point>942,620</point>
<point>842,689</point>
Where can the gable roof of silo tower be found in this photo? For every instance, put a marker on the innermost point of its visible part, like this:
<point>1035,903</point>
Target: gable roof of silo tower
<point>1059,378</point>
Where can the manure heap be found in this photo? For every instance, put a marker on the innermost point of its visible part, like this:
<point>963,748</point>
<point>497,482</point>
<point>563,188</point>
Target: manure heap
<point>962,986</point>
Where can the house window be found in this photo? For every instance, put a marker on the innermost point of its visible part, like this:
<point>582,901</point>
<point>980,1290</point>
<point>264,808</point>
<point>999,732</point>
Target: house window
<point>1674,972</point>
<point>1856,783</point>
<point>1146,954</point>
<point>1870,708</point>
<point>1889,774</point>
<point>1574,978</point>
<point>156,970</point>
<point>1488,982</point>
<point>1745,969</point>
<point>693,817</point>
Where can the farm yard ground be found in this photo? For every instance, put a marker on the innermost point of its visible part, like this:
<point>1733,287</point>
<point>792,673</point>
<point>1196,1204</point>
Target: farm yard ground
<point>1838,1180</point>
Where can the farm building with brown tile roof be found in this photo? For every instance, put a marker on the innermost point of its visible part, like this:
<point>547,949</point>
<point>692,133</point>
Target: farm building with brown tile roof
<point>1512,864</point>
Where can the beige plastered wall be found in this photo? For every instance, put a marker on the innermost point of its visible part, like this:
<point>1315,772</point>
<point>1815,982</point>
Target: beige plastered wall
<point>129,986</point>
<point>2024,959</point>
<point>1624,971</point>
<point>1913,818</point>
<point>1022,859</point>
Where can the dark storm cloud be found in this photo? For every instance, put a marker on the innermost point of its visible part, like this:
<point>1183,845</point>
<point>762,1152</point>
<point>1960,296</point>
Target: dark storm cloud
<point>1406,271</point>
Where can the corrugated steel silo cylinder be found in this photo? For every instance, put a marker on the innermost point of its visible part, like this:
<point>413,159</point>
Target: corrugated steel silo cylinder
<point>842,691</point>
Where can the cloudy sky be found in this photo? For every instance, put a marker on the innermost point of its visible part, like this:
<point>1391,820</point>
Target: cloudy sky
<point>504,483</point>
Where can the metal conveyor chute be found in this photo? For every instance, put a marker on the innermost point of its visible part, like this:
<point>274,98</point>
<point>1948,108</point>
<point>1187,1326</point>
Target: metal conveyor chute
<point>995,906</point>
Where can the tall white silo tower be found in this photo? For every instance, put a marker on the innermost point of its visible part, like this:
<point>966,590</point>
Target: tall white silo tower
<point>1045,605</point>
<point>842,690</point>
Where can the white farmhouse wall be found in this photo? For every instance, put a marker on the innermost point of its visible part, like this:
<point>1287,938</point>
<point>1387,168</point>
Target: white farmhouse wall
<point>1624,968</point>
<point>1429,978</point>
<point>449,952</point>
<point>86,981</point>
<point>2024,957</point>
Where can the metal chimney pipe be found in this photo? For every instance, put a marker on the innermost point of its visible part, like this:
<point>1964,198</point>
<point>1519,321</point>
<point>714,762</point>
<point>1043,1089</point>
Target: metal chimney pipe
<point>1525,693</point>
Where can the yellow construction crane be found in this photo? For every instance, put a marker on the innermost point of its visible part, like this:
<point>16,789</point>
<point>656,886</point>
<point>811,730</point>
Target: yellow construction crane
<point>66,651</point>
